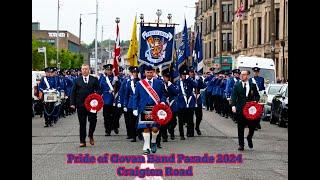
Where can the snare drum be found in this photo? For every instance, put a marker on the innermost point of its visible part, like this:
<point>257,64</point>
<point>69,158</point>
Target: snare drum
<point>50,95</point>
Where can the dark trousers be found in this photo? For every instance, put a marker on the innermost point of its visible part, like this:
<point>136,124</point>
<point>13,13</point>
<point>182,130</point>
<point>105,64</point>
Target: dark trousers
<point>186,115</point>
<point>117,115</point>
<point>172,124</point>
<point>162,133</point>
<point>225,107</point>
<point>126,121</point>
<point>242,123</point>
<point>218,105</point>
<point>108,115</point>
<point>92,118</point>
<point>198,113</point>
<point>132,124</point>
<point>209,100</point>
<point>49,112</point>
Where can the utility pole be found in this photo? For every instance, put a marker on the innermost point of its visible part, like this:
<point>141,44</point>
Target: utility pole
<point>57,41</point>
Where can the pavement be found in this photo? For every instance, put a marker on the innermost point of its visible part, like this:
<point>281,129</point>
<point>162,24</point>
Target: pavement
<point>268,160</point>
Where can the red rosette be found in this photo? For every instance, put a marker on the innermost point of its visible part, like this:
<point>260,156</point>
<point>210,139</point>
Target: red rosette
<point>93,103</point>
<point>252,110</point>
<point>162,114</point>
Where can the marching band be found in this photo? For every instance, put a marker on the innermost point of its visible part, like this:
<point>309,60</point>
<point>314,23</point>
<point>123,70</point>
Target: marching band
<point>135,94</point>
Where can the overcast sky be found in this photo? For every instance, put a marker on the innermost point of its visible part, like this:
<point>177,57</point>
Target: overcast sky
<point>45,12</point>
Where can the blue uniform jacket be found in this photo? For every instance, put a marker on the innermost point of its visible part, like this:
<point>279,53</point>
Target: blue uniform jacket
<point>141,97</point>
<point>259,81</point>
<point>129,93</point>
<point>108,97</point>
<point>188,85</point>
<point>53,83</point>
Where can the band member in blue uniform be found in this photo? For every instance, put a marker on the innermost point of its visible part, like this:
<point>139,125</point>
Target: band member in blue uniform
<point>148,92</point>
<point>128,103</point>
<point>172,97</point>
<point>229,87</point>
<point>198,104</point>
<point>186,102</point>
<point>209,83</point>
<point>107,83</point>
<point>49,83</point>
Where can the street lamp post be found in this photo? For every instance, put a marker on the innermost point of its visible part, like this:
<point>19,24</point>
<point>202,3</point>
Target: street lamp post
<point>80,25</point>
<point>169,17</point>
<point>57,41</point>
<point>158,13</point>
<point>96,45</point>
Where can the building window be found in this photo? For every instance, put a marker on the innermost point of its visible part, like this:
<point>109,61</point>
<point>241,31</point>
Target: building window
<point>277,23</point>
<point>246,4</point>
<point>214,1</point>
<point>259,31</point>
<point>245,39</point>
<point>224,42</point>
<point>210,3</point>
<point>210,49</point>
<point>210,22</point>
<point>265,27</point>
<point>229,45</point>
<point>214,48</point>
<point>214,21</point>
<point>230,13</point>
<point>225,13</point>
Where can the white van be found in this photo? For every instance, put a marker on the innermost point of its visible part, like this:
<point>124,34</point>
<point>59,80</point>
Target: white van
<point>36,77</point>
<point>266,65</point>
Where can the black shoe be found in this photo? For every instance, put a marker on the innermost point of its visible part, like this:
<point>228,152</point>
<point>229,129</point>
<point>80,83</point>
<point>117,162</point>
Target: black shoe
<point>116,131</point>
<point>159,146</point>
<point>182,138</point>
<point>129,137</point>
<point>146,152</point>
<point>198,132</point>
<point>165,140</point>
<point>134,140</point>
<point>46,125</point>
<point>172,137</point>
<point>241,148</point>
<point>259,126</point>
<point>153,147</point>
<point>188,135</point>
<point>50,124</point>
<point>250,144</point>
<point>140,137</point>
<point>107,134</point>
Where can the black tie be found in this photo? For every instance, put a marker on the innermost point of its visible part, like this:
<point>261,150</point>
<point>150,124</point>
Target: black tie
<point>245,88</point>
<point>85,80</point>
<point>150,83</point>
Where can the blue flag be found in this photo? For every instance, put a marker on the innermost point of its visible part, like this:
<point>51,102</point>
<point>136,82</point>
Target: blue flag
<point>198,52</point>
<point>184,48</point>
<point>175,68</point>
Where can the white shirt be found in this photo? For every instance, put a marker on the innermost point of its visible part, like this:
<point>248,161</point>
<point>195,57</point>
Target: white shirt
<point>247,87</point>
<point>150,80</point>
<point>83,77</point>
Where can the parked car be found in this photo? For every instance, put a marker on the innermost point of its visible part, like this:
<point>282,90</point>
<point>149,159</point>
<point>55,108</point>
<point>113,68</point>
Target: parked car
<point>271,91</point>
<point>279,107</point>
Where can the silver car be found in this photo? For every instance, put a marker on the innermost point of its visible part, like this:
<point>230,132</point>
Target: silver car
<point>270,91</point>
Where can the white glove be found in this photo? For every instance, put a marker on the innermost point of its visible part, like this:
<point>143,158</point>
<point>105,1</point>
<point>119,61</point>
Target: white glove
<point>163,103</point>
<point>115,78</point>
<point>197,77</point>
<point>228,99</point>
<point>169,83</point>
<point>119,105</point>
<point>125,109</point>
<point>187,76</point>
<point>135,112</point>
<point>234,109</point>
